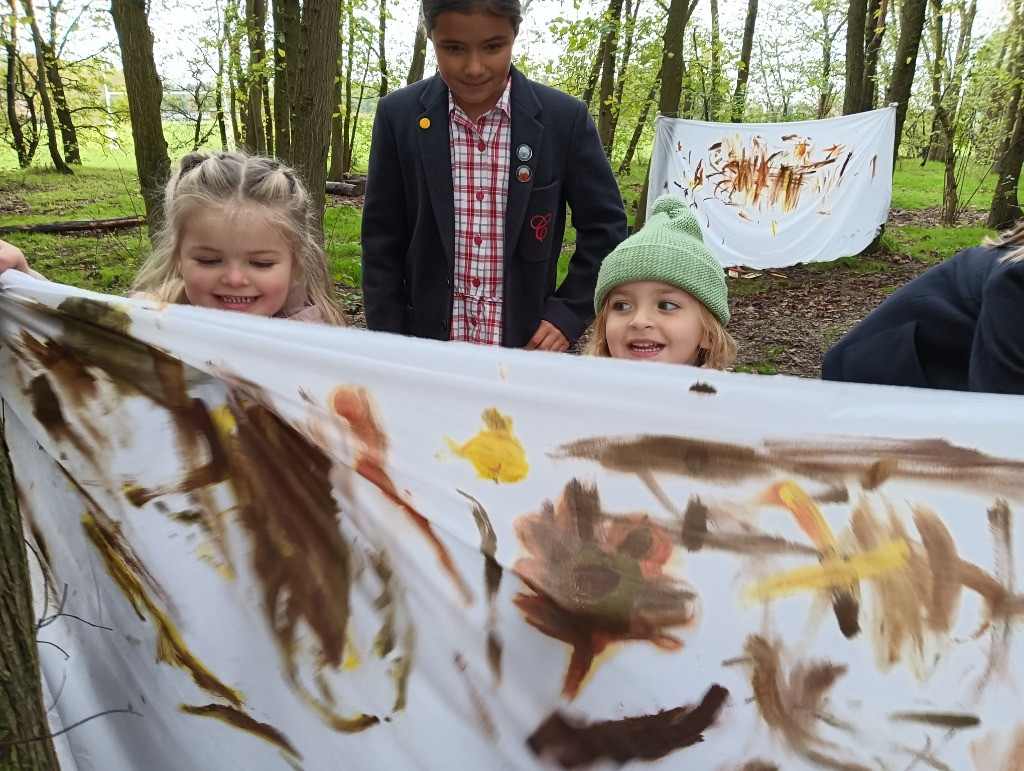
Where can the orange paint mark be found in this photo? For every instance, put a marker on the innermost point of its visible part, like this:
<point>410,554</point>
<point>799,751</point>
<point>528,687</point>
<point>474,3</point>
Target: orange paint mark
<point>354,405</point>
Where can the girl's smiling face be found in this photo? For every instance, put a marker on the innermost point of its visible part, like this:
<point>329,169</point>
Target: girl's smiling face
<point>654,321</point>
<point>474,54</point>
<point>235,263</point>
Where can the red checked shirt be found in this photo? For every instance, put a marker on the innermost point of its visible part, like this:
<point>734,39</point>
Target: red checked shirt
<point>480,162</point>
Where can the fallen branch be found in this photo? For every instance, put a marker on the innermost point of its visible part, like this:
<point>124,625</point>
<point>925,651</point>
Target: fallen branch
<point>73,225</point>
<point>356,187</point>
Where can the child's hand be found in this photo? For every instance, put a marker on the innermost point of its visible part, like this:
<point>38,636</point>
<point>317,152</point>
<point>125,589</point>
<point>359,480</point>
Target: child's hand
<point>548,338</point>
<point>11,258</point>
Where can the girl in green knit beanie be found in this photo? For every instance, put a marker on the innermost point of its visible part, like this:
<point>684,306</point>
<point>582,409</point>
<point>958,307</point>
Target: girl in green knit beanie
<point>661,295</point>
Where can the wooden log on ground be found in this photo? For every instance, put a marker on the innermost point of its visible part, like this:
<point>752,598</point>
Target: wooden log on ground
<point>73,225</point>
<point>353,187</point>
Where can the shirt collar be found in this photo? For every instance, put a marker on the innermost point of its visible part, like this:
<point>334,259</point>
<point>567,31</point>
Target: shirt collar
<point>504,102</point>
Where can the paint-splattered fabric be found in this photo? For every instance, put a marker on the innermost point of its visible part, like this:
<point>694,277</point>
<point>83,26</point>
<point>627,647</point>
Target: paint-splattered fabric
<point>263,545</point>
<point>769,195</point>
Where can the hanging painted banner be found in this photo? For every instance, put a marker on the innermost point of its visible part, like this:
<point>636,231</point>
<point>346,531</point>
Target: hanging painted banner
<point>769,195</point>
<point>278,545</point>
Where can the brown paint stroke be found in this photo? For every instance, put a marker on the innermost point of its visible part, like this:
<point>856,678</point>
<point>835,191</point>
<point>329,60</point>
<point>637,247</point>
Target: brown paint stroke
<point>872,460</point>
<point>790,701</point>
<point>754,175</point>
<point>900,598</point>
<point>1000,521</point>
<point>299,555</point>
<point>389,604</point>
<point>493,573</point>
<point>480,710</point>
<point>37,544</point>
<point>133,369</point>
<point>921,601</point>
<point>284,495</point>
<point>128,573</point>
<point>356,407</point>
<point>573,743</point>
<point>758,765</point>
<point>696,534</point>
<point>953,720</point>
<point>595,578</point>
<point>703,388</point>
<point>240,720</point>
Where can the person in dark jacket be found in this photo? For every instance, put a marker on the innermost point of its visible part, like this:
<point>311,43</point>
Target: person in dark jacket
<point>957,326</point>
<point>470,172</point>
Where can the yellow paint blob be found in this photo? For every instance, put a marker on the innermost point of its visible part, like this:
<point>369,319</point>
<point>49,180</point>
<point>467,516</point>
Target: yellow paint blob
<point>223,420</point>
<point>831,573</point>
<point>495,452</point>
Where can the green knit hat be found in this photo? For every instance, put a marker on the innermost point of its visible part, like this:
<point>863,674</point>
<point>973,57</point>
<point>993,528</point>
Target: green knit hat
<point>670,248</point>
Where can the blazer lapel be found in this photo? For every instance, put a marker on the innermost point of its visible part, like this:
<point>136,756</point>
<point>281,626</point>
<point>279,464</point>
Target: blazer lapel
<point>435,155</point>
<point>527,131</point>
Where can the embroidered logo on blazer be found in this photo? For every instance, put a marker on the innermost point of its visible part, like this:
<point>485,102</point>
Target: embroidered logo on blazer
<point>540,226</point>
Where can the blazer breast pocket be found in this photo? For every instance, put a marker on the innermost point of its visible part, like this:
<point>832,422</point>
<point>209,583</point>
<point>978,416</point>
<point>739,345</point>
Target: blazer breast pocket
<point>536,239</point>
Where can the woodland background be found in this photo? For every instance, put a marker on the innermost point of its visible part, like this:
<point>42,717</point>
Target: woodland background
<point>99,100</point>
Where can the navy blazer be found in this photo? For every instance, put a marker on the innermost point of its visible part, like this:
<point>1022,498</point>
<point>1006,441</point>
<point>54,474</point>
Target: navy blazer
<point>408,228</point>
<point>958,326</point>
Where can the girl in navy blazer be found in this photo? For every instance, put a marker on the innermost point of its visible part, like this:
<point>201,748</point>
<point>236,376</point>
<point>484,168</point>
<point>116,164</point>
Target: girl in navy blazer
<point>415,274</point>
<point>958,326</point>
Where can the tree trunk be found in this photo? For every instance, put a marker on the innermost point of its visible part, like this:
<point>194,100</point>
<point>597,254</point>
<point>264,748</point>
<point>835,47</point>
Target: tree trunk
<point>875,33</point>
<point>313,97</point>
<point>739,96</point>
<point>419,56</point>
<point>255,80</point>
<point>938,149</point>
<point>715,74</point>
<point>268,118</point>
<point>382,58</point>
<point>638,130</point>
<point>856,15</point>
<point>44,94</point>
<point>10,82</point>
<point>339,137</point>
<point>670,75</point>
<point>287,42</point>
<point>904,63</point>
<point>145,92</point>
<point>218,89</point>
<point>22,715</point>
<point>1005,209</point>
<point>352,120</point>
<point>237,98</point>
<point>825,92</point>
<point>592,76</point>
<point>609,44</point>
<point>627,51</point>
<point>65,121</point>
